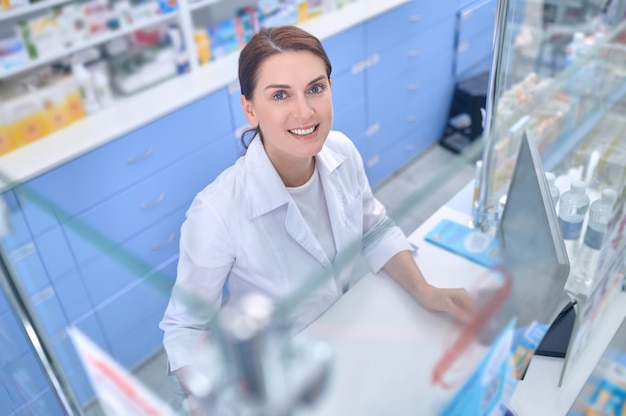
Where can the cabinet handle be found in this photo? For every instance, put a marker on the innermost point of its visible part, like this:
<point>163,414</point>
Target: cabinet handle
<point>163,244</point>
<point>373,160</point>
<point>415,53</point>
<point>358,67</point>
<point>139,158</point>
<point>416,18</point>
<point>373,60</point>
<point>413,87</point>
<point>464,46</point>
<point>374,128</point>
<point>412,117</point>
<point>154,202</point>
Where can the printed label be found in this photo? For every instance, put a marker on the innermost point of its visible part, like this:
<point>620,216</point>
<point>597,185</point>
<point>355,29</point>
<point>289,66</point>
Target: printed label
<point>594,238</point>
<point>570,230</point>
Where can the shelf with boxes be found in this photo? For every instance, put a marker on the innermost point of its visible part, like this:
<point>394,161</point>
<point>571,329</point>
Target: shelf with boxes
<point>44,39</point>
<point>130,112</point>
<point>10,10</point>
<point>125,48</point>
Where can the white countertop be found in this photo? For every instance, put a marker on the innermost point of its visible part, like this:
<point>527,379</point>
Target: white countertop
<point>133,112</point>
<point>385,345</point>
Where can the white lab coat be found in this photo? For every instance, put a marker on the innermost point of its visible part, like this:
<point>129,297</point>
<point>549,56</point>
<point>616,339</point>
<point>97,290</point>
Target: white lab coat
<point>244,232</point>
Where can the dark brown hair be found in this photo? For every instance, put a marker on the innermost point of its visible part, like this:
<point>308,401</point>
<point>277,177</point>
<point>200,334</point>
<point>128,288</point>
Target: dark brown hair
<point>269,42</point>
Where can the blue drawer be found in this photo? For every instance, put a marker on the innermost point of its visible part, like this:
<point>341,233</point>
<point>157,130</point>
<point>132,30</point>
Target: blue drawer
<point>347,89</point>
<point>473,53</point>
<point>406,92</point>
<point>6,402</point>
<point>117,270</point>
<point>406,20</point>
<point>89,325</point>
<point>71,292</point>
<point>139,344</point>
<point>26,263</point>
<point>345,49</point>
<point>81,385</point>
<point>382,134</point>
<point>415,52</point>
<point>351,121</point>
<point>399,96</point>
<point>383,164</point>
<point>49,311</point>
<point>121,315</point>
<point>144,204</point>
<point>14,342</point>
<point>476,19</point>
<point>54,251</point>
<point>24,378</point>
<point>115,166</point>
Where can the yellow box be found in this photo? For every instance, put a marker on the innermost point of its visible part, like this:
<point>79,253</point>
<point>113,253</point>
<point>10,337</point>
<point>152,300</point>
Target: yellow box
<point>7,142</point>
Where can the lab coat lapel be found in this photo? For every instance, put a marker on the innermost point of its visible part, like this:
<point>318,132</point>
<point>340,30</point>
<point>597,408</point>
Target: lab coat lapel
<point>328,162</point>
<point>298,228</point>
<point>267,192</point>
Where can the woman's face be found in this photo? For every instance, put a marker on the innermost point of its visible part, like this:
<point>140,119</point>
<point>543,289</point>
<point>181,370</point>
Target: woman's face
<point>292,105</point>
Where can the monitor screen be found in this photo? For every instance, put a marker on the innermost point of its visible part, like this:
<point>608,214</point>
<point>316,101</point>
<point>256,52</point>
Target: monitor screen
<point>530,241</point>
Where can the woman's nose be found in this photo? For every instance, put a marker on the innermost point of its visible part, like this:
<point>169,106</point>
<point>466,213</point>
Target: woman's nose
<point>302,107</point>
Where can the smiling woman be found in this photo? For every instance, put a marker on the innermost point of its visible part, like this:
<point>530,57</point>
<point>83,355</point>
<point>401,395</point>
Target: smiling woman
<point>292,209</point>
<point>291,107</point>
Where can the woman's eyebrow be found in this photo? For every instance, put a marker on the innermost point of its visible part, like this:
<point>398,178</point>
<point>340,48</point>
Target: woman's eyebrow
<point>285,86</point>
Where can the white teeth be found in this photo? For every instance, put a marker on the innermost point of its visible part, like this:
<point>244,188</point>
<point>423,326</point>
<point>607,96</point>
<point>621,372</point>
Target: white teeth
<point>303,132</point>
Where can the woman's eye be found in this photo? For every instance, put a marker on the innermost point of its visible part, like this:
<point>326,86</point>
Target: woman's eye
<point>280,95</point>
<point>317,88</point>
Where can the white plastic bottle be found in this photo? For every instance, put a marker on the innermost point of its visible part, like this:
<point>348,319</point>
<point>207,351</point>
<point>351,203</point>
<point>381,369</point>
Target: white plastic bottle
<point>573,206</point>
<point>600,213</point>
<point>554,191</point>
<point>90,100</point>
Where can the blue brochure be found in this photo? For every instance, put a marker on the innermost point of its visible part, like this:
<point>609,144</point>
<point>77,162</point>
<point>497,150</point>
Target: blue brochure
<point>465,241</point>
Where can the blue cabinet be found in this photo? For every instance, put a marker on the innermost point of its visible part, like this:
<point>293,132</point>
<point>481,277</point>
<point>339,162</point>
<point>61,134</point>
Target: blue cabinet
<point>474,45</point>
<point>95,241</point>
<point>410,61</point>
<point>24,387</point>
<point>88,180</point>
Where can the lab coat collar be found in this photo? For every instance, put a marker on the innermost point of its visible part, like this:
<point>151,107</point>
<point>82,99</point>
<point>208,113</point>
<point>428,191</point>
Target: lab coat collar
<point>266,190</point>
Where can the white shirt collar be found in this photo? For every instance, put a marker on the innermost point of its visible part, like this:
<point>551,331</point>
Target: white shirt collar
<point>264,187</point>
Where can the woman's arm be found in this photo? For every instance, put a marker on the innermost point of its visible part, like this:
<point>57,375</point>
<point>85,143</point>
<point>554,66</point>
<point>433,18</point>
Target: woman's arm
<point>405,271</point>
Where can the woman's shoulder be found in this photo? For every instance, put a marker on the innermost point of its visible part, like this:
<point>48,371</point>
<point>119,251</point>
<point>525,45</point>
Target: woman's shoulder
<point>340,143</point>
<point>224,188</point>
<point>337,138</point>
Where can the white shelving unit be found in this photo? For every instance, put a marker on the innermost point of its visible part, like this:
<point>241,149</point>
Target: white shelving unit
<point>31,8</point>
<point>94,41</point>
<point>195,5</point>
<point>135,111</point>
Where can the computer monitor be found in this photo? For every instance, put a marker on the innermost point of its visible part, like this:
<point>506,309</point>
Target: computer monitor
<point>533,251</point>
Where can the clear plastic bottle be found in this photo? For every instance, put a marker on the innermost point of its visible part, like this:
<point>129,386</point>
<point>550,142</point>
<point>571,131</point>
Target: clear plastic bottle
<point>600,213</point>
<point>554,191</point>
<point>575,49</point>
<point>477,173</point>
<point>573,207</point>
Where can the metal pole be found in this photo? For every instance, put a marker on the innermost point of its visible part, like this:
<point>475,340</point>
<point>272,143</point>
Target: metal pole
<point>481,219</point>
<point>27,317</point>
